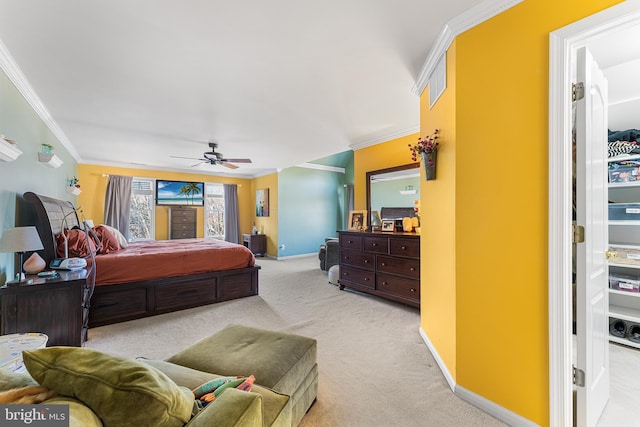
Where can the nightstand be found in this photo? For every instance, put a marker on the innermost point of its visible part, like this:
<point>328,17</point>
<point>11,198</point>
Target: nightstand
<point>257,243</point>
<point>52,306</point>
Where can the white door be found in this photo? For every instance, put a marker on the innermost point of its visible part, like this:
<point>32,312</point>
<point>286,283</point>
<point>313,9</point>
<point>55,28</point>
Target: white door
<point>592,271</point>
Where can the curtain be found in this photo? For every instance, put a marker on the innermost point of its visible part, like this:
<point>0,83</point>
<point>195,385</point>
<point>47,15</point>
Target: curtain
<point>117,203</point>
<point>231,226</point>
<point>350,204</point>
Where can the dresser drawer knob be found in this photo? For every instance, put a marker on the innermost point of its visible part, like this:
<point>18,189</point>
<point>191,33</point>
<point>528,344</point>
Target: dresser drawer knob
<point>374,244</point>
<point>366,279</point>
<point>413,290</point>
<point>345,274</point>
<point>412,269</point>
<point>384,283</point>
<point>366,261</point>
<point>349,241</point>
<point>383,264</point>
<point>403,248</point>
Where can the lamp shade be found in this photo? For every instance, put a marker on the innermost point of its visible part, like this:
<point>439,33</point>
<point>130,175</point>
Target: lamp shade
<point>20,239</point>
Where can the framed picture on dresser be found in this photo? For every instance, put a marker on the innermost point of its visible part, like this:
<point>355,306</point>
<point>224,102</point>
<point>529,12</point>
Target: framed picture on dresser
<point>387,225</point>
<point>357,220</point>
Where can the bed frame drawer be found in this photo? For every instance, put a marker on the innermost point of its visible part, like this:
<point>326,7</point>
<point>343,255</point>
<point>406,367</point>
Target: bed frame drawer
<point>232,286</point>
<point>108,306</point>
<point>186,294</point>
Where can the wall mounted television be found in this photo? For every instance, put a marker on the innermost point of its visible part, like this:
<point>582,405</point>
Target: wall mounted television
<point>179,193</point>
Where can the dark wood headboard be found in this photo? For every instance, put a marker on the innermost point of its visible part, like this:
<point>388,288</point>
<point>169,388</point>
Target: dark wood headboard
<point>53,215</point>
<point>397,213</point>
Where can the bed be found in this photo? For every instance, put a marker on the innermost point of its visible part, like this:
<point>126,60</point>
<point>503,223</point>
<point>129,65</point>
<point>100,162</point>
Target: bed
<point>150,278</point>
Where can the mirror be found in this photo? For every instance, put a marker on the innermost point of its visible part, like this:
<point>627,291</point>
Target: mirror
<point>395,187</point>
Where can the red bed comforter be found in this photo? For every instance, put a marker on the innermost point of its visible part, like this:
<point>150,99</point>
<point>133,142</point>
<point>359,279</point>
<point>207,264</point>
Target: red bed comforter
<point>168,258</point>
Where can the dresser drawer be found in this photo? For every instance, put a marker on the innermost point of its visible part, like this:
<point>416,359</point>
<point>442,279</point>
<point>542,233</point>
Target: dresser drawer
<point>358,259</point>
<point>400,266</point>
<point>351,241</point>
<point>183,234</point>
<point>409,248</point>
<point>358,277</point>
<point>376,244</point>
<point>400,286</point>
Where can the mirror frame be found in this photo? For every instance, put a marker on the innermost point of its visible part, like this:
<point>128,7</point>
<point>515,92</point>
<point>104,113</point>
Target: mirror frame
<point>379,171</point>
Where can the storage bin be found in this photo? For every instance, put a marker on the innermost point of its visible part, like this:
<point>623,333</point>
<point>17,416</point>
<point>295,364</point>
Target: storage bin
<point>624,211</point>
<point>627,283</point>
<point>626,173</point>
<point>625,255</point>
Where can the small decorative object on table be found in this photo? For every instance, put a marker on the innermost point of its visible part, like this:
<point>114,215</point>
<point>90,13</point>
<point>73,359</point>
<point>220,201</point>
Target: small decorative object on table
<point>427,148</point>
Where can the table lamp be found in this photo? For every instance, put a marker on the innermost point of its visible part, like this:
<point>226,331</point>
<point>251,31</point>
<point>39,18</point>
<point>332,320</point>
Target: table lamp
<point>20,240</point>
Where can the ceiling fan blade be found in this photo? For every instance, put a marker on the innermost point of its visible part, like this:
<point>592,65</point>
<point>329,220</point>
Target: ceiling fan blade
<point>190,158</point>
<point>198,164</point>
<point>229,165</point>
<point>237,160</point>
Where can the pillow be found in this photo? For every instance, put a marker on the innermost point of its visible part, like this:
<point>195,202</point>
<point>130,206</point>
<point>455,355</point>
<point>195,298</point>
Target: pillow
<point>118,235</point>
<point>108,242</point>
<point>76,243</point>
<point>120,391</point>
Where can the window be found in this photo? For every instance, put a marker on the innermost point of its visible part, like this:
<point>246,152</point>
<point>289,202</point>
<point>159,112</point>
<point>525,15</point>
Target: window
<point>214,210</point>
<point>142,220</point>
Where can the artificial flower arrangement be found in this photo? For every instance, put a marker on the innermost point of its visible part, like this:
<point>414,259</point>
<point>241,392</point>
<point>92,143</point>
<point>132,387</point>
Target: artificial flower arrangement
<point>427,145</point>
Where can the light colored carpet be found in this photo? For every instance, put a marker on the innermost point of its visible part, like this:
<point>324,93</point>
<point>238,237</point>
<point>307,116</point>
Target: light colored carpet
<point>374,368</point>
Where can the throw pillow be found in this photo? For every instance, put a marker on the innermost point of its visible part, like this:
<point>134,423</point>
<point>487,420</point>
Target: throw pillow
<point>108,241</point>
<point>118,235</point>
<point>120,391</point>
<point>77,245</point>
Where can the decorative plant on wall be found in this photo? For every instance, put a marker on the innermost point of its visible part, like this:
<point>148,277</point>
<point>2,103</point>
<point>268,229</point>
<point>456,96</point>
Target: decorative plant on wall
<point>427,149</point>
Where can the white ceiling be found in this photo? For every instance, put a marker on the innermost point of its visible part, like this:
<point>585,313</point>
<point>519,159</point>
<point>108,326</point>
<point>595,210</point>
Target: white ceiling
<point>618,55</point>
<point>131,83</point>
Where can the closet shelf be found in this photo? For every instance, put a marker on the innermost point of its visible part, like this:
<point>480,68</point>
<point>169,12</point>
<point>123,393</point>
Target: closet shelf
<point>624,313</point>
<point>623,341</point>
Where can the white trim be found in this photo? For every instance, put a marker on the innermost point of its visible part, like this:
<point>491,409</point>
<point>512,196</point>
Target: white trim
<point>452,29</point>
<point>321,167</point>
<point>15,75</point>
<point>491,408</point>
<point>439,361</point>
<point>506,416</point>
<point>296,256</point>
<point>563,43</point>
<point>384,138</point>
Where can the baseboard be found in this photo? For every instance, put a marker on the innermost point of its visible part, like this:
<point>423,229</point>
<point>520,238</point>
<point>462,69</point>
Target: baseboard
<point>506,416</point>
<point>439,361</point>
<point>299,256</point>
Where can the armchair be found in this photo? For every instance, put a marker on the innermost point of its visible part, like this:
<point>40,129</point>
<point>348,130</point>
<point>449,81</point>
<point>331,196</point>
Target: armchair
<point>328,253</point>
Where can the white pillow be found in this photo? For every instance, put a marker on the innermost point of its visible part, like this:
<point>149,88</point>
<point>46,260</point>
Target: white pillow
<point>118,235</point>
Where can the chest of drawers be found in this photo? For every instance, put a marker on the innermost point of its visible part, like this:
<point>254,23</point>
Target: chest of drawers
<point>182,223</point>
<point>382,264</point>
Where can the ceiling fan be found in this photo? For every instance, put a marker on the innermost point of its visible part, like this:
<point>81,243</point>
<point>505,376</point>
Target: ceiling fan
<point>214,158</point>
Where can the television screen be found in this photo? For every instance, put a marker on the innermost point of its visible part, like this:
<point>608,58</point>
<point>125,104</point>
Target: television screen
<point>179,193</point>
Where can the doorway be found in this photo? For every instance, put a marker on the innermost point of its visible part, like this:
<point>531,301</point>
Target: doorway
<point>563,45</point>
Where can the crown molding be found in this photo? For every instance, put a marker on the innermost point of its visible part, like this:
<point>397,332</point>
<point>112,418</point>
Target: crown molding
<point>17,77</point>
<point>453,28</point>
<point>321,167</point>
<point>384,138</point>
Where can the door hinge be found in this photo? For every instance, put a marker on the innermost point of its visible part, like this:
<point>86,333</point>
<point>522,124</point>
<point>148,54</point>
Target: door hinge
<point>578,377</point>
<point>577,234</point>
<point>577,91</point>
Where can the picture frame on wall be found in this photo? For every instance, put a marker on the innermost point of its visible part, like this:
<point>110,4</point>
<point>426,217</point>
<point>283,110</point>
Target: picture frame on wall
<point>262,202</point>
<point>357,220</point>
<point>388,225</point>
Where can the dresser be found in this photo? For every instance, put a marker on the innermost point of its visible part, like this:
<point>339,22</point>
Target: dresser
<point>182,223</point>
<point>382,264</point>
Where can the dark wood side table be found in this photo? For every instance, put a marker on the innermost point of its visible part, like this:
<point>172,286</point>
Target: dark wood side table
<point>52,306</point>
<point>257,243</point>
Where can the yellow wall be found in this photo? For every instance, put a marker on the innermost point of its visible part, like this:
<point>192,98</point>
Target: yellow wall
<point>438,224</point>
<point>380,156</point>
<point>493,163</point>
<point>267,224</point>
<point>93,181</point>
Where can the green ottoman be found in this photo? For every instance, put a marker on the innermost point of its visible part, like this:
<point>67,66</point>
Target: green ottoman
<point>285,363</point>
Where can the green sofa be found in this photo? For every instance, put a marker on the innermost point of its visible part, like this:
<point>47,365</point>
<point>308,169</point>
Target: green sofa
<point>105,390</point>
